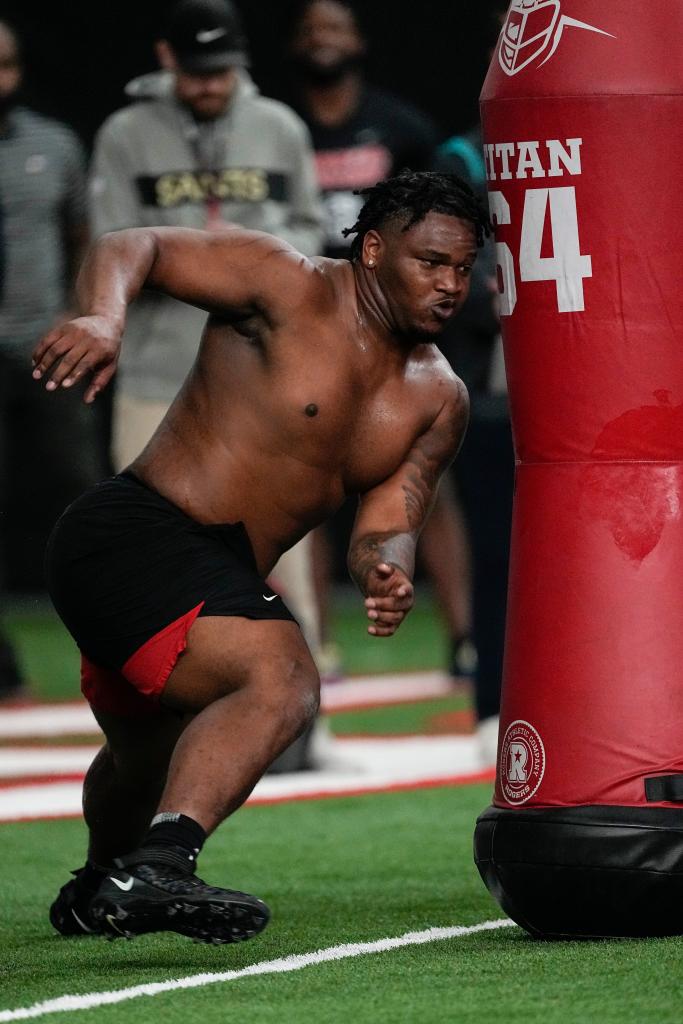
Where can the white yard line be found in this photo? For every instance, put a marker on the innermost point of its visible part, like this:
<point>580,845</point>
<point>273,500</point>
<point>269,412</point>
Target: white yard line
<point>67,1003</point>
<point>47,720</point>
<point>385,689</point>
<point>28,761</point>
<point>76,717</point>
<point>46,800</point>
<point>350,766</point>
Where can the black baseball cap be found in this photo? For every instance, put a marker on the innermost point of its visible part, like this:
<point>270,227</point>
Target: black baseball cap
<point>206,36</point>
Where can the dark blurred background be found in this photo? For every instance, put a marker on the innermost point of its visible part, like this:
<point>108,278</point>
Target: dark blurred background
<point>80,54</point>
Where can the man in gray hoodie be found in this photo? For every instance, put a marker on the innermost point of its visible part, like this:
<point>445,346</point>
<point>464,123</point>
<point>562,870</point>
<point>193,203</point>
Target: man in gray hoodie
<point>199,148</point>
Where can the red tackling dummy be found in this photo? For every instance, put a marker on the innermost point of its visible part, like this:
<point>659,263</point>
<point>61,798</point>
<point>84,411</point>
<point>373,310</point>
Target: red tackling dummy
<point>583,125</point>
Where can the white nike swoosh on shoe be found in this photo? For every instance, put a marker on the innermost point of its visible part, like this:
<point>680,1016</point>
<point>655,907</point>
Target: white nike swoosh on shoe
<point>125,886</point>
<point>268,598</point>
<point>81,923</point>
<point>209,34</point>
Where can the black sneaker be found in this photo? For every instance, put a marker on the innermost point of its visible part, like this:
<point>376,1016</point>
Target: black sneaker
<point>156,890</point>
<point>70,913</point>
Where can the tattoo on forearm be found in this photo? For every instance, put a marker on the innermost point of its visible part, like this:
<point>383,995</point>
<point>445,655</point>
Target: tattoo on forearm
<point>394,548</point>
<point>424,464</point>
<point>419,476</point>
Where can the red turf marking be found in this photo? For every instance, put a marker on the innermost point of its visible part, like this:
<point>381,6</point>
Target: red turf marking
<point>455,780</point>
<point>43,817</point>
<point>31,703</point>
<point>18,703</point>
<point>40,780</point>
<point>376,705</point>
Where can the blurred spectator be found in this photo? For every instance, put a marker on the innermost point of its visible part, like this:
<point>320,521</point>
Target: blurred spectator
<point>199,148</point>
<point>49,446</point>
<point>362,134</point>
<point>485,467</point>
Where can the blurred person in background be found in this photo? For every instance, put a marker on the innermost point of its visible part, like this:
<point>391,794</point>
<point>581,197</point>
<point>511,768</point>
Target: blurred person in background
<point>485,468</point>
<point>362,134</point>
<point>200,148</point>
<point>48,452</point>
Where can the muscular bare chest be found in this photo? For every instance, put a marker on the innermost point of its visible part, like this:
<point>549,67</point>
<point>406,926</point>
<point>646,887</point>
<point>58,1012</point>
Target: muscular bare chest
<point>354,428</point>
<point>315,403</point>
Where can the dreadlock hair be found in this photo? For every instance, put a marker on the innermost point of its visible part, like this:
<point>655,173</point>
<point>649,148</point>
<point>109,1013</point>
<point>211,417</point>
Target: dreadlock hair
<point>410,196</point>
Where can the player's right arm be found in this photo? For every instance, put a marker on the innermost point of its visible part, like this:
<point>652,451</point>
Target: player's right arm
<point>234,271</point>
<point>390,516</point>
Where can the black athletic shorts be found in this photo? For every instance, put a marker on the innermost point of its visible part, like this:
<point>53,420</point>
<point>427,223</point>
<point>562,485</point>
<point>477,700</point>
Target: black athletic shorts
<point>128,573</point>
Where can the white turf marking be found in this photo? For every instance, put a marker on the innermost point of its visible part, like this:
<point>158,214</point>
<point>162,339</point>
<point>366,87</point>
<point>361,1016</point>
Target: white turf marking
<point>384,689</point>
<point>48,720</point>
<point>350,766</point>
<point>77,718</point>
<point>65,1004</point>
<point>23,762</point>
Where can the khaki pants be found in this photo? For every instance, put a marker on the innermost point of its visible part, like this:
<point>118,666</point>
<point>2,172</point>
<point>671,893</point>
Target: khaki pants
<point>135,420</point>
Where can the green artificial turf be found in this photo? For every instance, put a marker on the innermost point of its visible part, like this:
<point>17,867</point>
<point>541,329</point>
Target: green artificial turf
<point>419,644</point>
<point>48,656</point>
<point>334,871</point>
<point>416,717</point>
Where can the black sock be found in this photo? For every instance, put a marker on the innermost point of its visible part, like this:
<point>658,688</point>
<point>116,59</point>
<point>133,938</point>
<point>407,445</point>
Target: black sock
<point>169,829</point>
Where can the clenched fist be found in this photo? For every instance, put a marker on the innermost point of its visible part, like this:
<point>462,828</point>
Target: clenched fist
<point>389,598</point>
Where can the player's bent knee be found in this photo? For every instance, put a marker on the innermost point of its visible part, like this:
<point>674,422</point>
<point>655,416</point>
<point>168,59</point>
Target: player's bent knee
<point>293,690</point>
<point>274,668</point>
<point>305,707</point>
<point>305,680</point>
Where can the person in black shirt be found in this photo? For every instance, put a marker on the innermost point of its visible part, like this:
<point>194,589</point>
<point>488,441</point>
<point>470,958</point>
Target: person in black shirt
<point>360,133</point>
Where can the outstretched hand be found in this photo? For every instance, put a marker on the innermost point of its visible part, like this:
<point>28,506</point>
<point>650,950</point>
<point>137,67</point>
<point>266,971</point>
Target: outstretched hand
<point>389,598</point>
<point>88,344</point>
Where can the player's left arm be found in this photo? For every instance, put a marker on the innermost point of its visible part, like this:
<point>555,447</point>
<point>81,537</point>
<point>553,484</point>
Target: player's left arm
<point>381,556</point>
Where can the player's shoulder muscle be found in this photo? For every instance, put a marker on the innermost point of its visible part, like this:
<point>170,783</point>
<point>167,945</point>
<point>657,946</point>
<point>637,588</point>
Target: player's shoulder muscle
<point>285,276</point>
<point>449,405</point>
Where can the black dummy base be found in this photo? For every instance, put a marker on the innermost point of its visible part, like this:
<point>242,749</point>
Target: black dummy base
<point>585,872</point>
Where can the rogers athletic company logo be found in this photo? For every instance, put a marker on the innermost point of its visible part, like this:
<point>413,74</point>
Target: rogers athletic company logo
<point>531,28</point>
<point>522,762</point>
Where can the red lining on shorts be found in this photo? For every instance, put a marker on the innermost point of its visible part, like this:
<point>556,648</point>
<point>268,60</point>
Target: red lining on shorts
<point>106,690</point>
<point>137,687</point>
